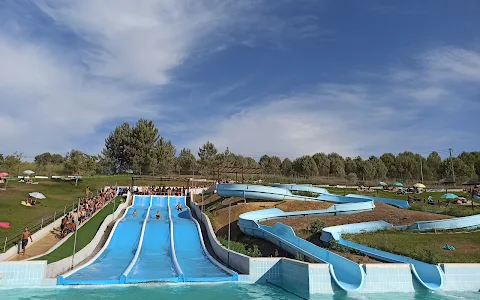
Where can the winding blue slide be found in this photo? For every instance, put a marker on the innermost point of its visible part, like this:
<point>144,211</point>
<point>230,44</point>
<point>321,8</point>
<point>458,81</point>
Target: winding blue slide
<point>347,275</point>
<point>144,249</point>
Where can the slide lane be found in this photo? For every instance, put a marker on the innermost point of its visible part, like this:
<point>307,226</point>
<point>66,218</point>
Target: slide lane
<point>195,262</point>
<point>155,262</point>
<point>119,250</point>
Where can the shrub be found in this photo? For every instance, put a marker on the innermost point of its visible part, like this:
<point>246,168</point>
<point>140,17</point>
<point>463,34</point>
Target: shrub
<point>255,252</point>
<point>316,227</point>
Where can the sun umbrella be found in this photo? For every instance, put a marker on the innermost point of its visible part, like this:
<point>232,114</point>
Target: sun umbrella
<point>449,196</point>
<point>28,172</point>
<point>397,184</point>
<point>37,195</point>
<point>419,185</point>
<point>3,174</point>
<point>381,183</point>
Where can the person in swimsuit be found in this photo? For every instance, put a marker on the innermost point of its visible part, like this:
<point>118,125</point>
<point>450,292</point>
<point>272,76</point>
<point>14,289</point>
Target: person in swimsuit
<point>134,213</point>
<point>25,235</point>
<point>179,206</point>
<point>157,215</point>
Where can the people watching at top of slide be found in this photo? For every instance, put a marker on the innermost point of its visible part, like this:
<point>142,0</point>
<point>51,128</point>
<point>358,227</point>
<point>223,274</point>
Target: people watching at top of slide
<point>156,190</point>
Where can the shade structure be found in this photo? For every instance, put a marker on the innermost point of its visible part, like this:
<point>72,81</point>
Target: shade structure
<point>28,172</point>
<point>397,184</point>
<point>468,182</point>
<point>419,185</point>
<point>4,174</point>
<point>37,195</point>
<point>381,183</point>
<point>449,196</point>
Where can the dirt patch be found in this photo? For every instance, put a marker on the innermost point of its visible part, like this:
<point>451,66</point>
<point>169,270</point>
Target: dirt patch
<point>220,222</point>
<point>385,212</point>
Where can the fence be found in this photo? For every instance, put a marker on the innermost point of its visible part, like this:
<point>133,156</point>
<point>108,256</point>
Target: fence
<point>12,239</point>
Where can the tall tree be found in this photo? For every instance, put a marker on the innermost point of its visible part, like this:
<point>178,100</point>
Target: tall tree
<point>187,160</point>
<point>119,148</point>
<point>434,162</point>
<point>305,166</point>
<point>11,163</point>
<point>144,146</point>
<point>79,163</point>
<point>286,167</point>
<point>323,163</point>
<point>350,165</point>
<point>337,165</point>
<point>164,156</point>
<point>389,160</point>
<point>207,154</point>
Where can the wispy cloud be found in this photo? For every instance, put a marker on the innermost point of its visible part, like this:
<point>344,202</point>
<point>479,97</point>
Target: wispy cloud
<point>56,101</point>
<point>394,114</point>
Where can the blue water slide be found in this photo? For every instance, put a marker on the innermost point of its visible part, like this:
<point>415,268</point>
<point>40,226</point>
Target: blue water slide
<point>113,259</point>
<point>428,275</point>
<point>155,261</point>
<point>195,262</point>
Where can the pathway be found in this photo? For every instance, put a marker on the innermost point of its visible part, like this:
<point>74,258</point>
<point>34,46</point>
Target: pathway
<point>38,247</point>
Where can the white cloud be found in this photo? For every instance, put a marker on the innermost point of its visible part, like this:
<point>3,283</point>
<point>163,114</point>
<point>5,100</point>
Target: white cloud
<point>50,102</point>
<point>411,110</point>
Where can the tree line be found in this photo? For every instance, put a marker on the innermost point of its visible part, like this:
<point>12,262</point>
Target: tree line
<point>140,149</point>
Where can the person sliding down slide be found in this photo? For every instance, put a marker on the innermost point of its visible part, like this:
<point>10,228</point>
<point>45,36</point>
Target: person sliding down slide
<point>179,206</point>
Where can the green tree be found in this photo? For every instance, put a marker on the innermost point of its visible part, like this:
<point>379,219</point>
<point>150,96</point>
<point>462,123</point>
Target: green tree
<point>287,167</point>
<point>323,163</point>
<point>350,165</point>
<point>305,166</point>
<point>144,147</point>
<point>79,163</point>
<point>264,161</point>
<point>389,160</point>
<point>11,163</point>
<point>337,165</point>
<point>434,162</point>
<point>187,160</point>
<point>57,159</point>
<point>352,178</point>
<point>164,156</point>
<point>119,148</point>
<point>207,154</point>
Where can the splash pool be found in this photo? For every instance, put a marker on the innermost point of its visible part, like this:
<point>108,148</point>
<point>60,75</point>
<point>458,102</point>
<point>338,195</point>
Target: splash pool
<point>225,291</point>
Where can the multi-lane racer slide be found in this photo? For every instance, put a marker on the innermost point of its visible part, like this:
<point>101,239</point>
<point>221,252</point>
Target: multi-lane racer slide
<point>143,248</point>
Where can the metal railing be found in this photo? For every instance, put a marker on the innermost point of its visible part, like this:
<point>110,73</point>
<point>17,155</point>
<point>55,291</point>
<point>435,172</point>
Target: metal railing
<point>12,239</point>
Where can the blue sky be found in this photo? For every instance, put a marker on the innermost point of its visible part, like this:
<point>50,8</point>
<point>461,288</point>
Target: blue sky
<point>284,77</point>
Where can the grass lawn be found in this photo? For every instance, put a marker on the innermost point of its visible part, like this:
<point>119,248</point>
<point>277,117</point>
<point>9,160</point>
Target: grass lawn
<point>59,194</point>
<point>452,210</point>
<point>84,235</point>
<point>424,246</point>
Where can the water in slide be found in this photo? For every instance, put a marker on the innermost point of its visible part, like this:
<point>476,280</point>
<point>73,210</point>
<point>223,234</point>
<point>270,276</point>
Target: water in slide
<point>115,258</point>
<point>155,260</point>
<point>190,253</point>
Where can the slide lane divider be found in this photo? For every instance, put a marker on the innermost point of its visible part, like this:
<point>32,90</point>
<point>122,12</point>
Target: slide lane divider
<point>61,278</point>
<point>181,276</point>
<point>123,277</point>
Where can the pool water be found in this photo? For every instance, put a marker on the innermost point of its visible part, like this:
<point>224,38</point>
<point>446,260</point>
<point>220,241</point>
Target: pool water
<point>224,291</point>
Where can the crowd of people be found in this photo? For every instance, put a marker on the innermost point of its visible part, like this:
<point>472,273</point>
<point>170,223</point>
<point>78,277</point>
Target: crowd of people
<point>161,190</point>
<point>88,207</point>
